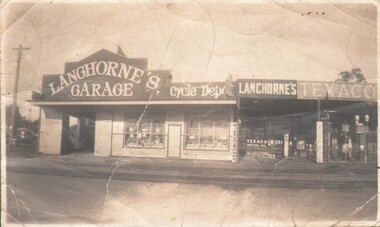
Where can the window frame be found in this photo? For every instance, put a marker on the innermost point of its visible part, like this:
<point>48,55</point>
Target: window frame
<point>151,117</point>
<point>213,118</point>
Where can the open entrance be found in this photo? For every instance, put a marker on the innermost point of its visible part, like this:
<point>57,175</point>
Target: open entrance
<point>274,128</point>
<point>349,132</point>
<point>78,132</point>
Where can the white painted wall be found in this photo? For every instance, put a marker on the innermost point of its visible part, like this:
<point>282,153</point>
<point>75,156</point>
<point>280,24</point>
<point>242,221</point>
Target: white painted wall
<point>50,135</point>
<point>117,133</point>
<point>103,133</point>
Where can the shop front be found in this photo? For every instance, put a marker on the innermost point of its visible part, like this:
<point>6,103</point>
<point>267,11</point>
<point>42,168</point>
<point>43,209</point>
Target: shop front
<point>136,111</point>
<point>347,123</point>
<point>124,109</point>
<point>264,110</point>
<point>285,118</point>
<point>181,131</point>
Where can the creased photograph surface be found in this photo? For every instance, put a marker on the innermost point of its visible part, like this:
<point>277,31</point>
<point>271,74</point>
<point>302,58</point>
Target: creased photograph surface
<point>189,113</point>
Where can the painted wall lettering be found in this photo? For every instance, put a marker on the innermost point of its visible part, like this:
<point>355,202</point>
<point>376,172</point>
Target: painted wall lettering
<point>337,91</point>
<point>183,91</point>
<point>101,90</point>
<point>264,142</point>
<point>102,68</point>
<point>197,90</point>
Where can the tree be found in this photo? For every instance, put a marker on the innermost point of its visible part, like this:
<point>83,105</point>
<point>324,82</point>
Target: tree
<point>358,75</point>
<point>355,75</point>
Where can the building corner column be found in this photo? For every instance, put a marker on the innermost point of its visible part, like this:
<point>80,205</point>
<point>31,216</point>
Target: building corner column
<point>103,133</point>
<point>50,133</point>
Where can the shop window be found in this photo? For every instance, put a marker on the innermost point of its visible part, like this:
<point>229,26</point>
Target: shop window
<point>207,133</point>
<point>146,133</point>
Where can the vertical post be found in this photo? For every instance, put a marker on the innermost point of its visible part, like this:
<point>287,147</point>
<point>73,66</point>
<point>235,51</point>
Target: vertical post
<point>345,145</point>
<point>320,144</point>
<point>30,117</point>
<point>236,119</point>
<point>319,109</point>
<point>328,141</point>
<point>15,91</point>
<point>286,145</point>
<point>361,131</point>
<point>325,142</point>
<point>364,142</point>
<point>366,130</point>
<point>346,142</point>
<point>235,138</point>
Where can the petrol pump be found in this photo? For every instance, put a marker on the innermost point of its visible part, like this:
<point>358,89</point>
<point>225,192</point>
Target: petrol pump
<point>323,139</point>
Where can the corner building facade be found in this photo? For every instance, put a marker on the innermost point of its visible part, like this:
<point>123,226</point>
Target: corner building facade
<point>122,108</point>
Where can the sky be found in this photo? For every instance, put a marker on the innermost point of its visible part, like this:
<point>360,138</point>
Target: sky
<point>196,41</point>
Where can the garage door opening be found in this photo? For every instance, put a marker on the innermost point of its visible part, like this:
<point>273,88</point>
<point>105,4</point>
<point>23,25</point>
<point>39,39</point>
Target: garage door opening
<point>78,132</point>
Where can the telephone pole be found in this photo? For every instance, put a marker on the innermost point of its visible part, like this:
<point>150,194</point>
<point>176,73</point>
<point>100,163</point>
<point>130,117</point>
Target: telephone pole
<point>15,91</point>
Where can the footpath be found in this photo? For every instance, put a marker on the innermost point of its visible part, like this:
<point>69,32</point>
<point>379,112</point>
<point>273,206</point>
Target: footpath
<point>289,173</point>
<point>73,188</point>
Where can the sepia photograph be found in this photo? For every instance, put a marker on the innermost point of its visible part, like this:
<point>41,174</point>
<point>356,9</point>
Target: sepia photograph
<point>189,113</point>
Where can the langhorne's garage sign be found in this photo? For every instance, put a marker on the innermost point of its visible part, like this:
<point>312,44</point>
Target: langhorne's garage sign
<point>108,76</point>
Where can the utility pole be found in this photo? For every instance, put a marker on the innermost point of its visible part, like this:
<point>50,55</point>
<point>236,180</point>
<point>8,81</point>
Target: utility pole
<point>30,117</point>
<point>15,91</point>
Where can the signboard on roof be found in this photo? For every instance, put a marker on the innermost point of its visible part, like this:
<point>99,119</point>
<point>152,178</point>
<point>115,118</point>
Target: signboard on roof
<point>337,91</point>
<point>107,76</point>
<point>281,89</point>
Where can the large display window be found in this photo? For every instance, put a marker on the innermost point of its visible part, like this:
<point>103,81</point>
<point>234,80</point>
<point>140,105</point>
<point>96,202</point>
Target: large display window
<point>209,132</point>
<point>147,132</point>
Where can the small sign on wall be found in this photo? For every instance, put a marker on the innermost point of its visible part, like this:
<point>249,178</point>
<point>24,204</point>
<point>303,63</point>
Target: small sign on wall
<point>234,142</point>
<point>286,145</point>
<point>345,128</point>
<point>319,142</point>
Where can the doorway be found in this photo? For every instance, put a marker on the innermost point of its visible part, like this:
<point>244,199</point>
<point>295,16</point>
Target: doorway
<point>78,132</point>
<point>174,141</point>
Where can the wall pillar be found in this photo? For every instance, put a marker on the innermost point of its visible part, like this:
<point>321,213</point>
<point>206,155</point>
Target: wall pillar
<point>286,145</point>
<point>50,136</point>
<point>103,133</point>
<point>320,142</point>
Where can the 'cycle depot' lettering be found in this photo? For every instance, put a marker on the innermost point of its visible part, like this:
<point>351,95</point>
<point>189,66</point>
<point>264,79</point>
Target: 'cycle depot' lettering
<point>129,73</point>
<point>189,90</point>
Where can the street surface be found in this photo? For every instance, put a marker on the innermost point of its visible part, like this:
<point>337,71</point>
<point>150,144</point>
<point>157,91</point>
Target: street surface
<point>80,188</point>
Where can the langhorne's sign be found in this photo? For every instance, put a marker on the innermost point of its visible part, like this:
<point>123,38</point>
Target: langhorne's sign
<point>108,76</point>
<point>267,88</point>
